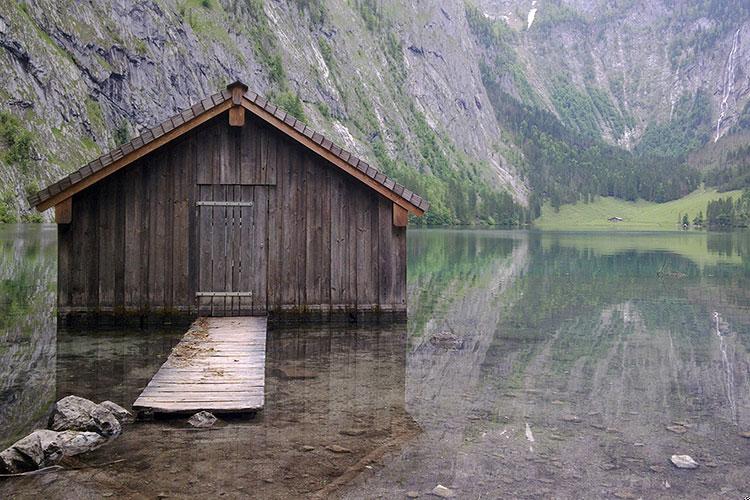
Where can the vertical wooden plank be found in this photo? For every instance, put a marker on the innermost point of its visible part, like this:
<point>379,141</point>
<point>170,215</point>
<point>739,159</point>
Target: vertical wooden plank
<point>227,172</point>
<point>219,253</point>
<point>205,235</point>
<point>167,171</point>
<point>399,268</point>
<point>157,232</point>
<point>275,232</point>
<point>264,146</point>
<point>64,257</point>
<point>245,250</point>
<point>259,278</point>
<point>311,248</point>
<point>269,175</point>
<point>300,239</point>
<point>90,254</point>
<point>237,242</point>
<point>338,243</point>
<point>324,174</point>
<point>364,248</point>
<point>193,243</point>
<point>119,239</point>
<point>104,212</point>
<point>204,163</point>
<point>132,261</point>
<point>290,230</point>
<point>386,243</point>
<point>180,232</point>
<point>144,232</point>
<point>350,205</point>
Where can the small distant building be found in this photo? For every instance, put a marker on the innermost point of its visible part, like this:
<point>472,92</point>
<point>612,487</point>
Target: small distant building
<point>615,219</point>
<point>232,207</point>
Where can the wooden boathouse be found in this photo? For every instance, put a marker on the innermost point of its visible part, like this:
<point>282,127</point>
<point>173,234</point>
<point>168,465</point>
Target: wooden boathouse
<point>231,208</point>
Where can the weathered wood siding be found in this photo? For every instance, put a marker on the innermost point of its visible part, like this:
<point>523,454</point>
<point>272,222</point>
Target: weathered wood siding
<point>314,239</point>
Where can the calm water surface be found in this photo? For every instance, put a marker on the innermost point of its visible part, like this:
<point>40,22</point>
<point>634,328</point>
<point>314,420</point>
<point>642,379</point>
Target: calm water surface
<point>534,365</point>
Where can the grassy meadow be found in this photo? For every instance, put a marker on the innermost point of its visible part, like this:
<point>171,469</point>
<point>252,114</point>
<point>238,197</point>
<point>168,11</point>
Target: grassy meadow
<point>637,216</point>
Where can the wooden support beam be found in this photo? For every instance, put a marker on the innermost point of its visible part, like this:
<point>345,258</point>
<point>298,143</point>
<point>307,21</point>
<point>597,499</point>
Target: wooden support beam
<point>64,211</point>
<point>237,112</point>
<point>237,116</point>
<point>400,216</point>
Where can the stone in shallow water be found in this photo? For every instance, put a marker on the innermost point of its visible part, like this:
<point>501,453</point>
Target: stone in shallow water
<point>202,420</point>
<point>745,435</point>
<point>75,442</point>
<point>338,449</point>
<point>39,449</point>
<point>307,447</point>
<point>684,462</point>
<point>79,414</point>
<point>353,432</point>
<point>121,414</point>
<point>443,492</point>
<point>412,494</point>
<point>677,429</point>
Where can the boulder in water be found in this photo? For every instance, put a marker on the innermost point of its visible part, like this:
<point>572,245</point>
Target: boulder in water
<point>39,449</point>
<point>75,442</point>
<point>684,462</point>
<point>121,414</point>
<point>202,419</point>
<point>73,413</point>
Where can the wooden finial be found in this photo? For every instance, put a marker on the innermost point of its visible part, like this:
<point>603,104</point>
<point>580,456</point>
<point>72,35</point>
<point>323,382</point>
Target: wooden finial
<point>237,112</point>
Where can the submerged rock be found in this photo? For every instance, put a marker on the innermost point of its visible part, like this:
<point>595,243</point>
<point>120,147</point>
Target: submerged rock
<point>443,492</point>
<point>39,449</point>
<point>684,462</point>
<point>677,429</point>
<point>202,420</point>
<point>745,435</point>
<point>447,340</point>
<point>73,413</point>
<point>75,442</point>
<point>121,414</point>
<point>337,449</point>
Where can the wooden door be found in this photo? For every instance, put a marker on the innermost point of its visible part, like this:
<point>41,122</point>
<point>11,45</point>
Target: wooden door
<point>232,266</point>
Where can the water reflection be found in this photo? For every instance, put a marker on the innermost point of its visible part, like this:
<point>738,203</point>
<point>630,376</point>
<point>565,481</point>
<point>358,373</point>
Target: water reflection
<point>532,365</point>
<point>597,363</point>
<point>27,327</point>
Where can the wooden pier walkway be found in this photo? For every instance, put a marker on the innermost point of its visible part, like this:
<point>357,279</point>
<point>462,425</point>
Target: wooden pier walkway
<point>219,366</point>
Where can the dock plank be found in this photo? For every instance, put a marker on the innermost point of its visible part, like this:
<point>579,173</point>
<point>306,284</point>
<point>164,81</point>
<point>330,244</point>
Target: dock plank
<point>219,365</point>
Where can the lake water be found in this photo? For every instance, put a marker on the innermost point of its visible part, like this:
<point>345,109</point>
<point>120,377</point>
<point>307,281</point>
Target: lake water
<point>533,365</point>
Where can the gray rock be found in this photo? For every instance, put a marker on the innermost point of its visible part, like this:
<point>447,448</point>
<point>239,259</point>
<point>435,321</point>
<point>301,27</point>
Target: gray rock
<point>76,442</point>
<point>334,448</point>
<point>121,414</point>
<point>684,462</point>
<point>443,492</point>
<point>202,420</point>
<point>73,413</point>
<point>39,449</point>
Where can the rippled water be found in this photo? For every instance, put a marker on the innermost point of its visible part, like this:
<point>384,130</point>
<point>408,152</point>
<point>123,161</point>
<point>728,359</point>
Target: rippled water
<point>532,365</point>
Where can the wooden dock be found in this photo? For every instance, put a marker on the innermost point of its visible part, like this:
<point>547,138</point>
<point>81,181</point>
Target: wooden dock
<point>219,366</point>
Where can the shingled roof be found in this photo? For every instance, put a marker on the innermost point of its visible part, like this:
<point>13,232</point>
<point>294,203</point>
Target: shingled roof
<point>208,108</point>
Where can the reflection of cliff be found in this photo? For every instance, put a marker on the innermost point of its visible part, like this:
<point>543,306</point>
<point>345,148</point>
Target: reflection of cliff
<point>579,381</point>
<point>466,299</point>
<point>27,328</point>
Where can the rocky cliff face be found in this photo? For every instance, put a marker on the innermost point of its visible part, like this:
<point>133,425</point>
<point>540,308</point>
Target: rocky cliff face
<point>398,82</point>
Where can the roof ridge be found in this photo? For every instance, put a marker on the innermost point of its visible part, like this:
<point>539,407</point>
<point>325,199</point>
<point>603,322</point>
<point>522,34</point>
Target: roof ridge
<point>204,105</point>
